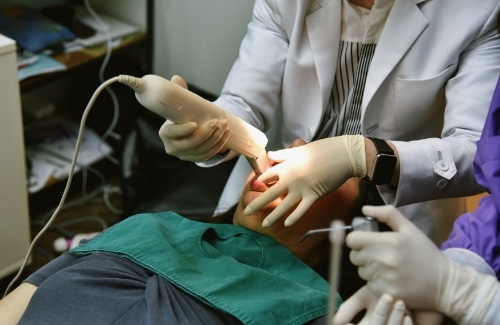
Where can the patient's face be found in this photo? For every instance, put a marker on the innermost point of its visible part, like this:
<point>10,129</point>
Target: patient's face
<point>340,204</point>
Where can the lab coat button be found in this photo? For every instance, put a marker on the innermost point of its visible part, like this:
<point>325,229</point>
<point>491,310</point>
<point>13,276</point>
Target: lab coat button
<point>371,129</point>
<point>442,183</point>
<point>309,134</point>
<point>443,165</point>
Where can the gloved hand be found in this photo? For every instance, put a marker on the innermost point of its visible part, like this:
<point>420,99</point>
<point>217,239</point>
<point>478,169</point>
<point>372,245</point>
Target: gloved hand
<point>307,173</point>
<point>193,142</point>
<point>406,264</point>
<point>379,311</point>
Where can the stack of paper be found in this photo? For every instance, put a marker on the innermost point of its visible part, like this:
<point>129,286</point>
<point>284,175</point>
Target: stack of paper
<point>25,58</point>
<point>43,64</point>
<point>50,149</point>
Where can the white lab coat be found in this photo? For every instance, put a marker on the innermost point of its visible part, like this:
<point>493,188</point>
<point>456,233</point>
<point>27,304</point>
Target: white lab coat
<point>428,90</point>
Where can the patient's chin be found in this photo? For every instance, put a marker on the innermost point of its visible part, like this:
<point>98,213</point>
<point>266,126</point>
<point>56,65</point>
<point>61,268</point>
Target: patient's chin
<point>253,221</point>
<point>248,197</point>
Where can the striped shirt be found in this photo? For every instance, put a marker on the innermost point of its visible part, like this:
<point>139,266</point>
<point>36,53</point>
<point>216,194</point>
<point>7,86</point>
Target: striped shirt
<point>361,29</point>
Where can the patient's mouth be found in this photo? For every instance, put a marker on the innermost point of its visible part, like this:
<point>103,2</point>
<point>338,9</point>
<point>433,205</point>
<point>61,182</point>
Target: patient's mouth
<point>257,186</point>
<point>255,190</point>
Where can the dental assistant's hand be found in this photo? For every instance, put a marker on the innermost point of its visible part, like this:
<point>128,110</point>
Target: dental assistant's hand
<point>406,264</point>
<point>379,311</point>
<point>307,173</point>
<point>190,141</point>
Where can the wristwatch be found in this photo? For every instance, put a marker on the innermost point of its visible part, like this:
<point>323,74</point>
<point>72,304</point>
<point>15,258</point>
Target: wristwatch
<point>384,165</point>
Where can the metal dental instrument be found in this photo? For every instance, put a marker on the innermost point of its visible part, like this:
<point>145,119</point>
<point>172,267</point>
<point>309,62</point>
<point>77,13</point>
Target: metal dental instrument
<point>358,223</point>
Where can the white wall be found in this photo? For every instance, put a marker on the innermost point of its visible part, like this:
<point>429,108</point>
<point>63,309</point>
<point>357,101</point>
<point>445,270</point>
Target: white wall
<point>131,11</point>
<point>199,39</point>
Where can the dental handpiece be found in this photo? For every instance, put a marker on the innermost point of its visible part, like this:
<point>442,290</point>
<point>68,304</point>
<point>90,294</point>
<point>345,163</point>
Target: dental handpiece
<point>180,105</point>
<point>358,223</point>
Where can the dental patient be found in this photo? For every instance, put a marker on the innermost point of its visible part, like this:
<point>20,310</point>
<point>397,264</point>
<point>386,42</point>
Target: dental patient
<point>162,268</point>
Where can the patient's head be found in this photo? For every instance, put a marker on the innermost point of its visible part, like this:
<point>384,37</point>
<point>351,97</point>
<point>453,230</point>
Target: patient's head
<point>341,204</point>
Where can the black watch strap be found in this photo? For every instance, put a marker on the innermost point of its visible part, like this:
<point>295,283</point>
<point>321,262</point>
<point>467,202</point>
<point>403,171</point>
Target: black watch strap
<point>382,146</point>
<point>384,164</point>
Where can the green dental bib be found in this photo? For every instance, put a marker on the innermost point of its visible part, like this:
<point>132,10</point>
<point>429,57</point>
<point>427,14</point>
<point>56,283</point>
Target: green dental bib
<point>241,272</point>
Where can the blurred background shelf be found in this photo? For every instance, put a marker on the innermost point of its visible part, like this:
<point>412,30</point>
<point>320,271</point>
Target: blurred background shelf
<point>65,93</point>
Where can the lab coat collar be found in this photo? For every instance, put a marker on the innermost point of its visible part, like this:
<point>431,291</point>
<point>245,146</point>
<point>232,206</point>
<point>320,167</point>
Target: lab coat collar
<point>404,25</point>
<point>323,28</point>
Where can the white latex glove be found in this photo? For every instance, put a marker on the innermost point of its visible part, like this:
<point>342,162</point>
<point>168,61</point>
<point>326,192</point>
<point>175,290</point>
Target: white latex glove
<point>307,173</point>
<point>379,311</point>
<point>406,264</point>
<point>193,142</point>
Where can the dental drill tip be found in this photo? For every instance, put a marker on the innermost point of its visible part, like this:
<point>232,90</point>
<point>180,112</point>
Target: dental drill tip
<point>331,230</point>
<point>304,236</point>
<point>312,232</point>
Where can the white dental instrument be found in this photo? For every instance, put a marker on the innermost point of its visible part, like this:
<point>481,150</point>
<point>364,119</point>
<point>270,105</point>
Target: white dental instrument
<point>180,105</point>
<point>336,235</point>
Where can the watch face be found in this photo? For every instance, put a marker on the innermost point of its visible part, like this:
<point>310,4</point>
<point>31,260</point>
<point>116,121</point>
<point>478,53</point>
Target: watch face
<point>383,169</point>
